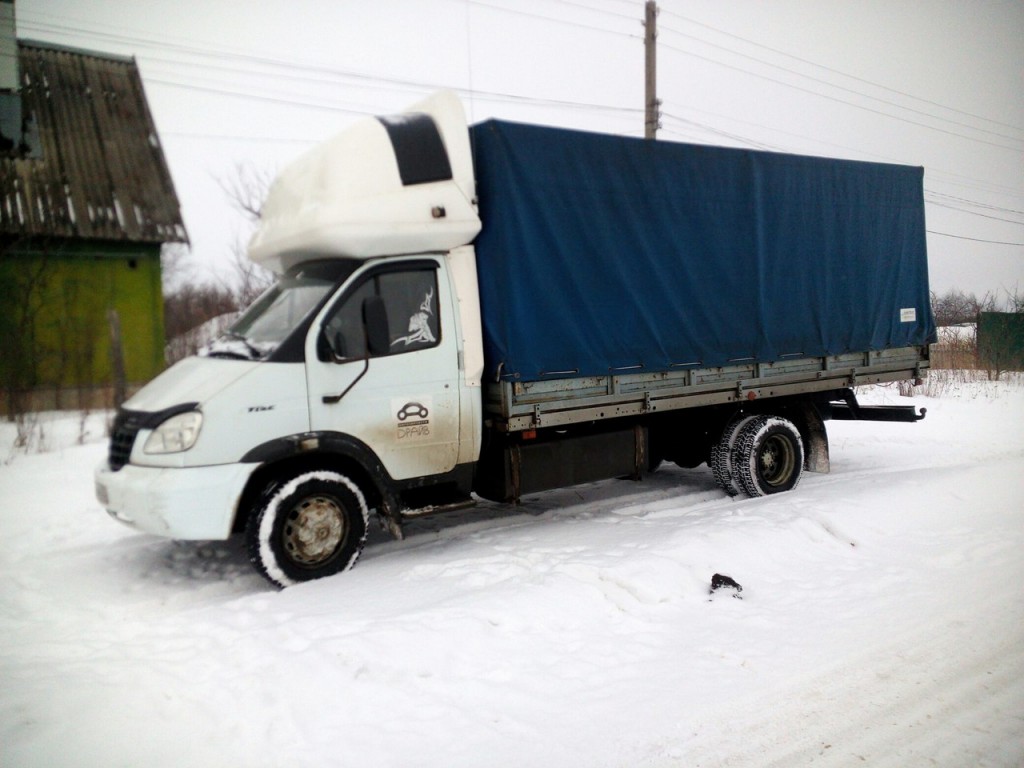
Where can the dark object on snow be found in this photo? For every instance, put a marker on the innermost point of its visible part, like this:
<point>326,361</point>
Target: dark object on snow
<point>718,581</point>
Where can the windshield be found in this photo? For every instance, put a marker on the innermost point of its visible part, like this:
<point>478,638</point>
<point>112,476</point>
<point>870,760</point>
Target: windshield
<point>280,310</point>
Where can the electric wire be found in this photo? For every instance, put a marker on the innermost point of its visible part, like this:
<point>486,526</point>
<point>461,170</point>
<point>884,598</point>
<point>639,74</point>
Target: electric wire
<point>316,73</point>
<point>833,70</point>
<point>594,9</point>
<point>973,239</point>
<point>975,213</point>
<point>554,20</point>
<point>819,94</point>
<point>980,205</point>
<point>747,141</point>
<point>324,74</point>
<point>844,88</point>
<point>853,153</point>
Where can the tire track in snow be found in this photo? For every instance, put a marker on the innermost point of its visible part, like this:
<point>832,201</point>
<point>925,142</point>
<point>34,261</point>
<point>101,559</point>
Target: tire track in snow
<point>950,696</point>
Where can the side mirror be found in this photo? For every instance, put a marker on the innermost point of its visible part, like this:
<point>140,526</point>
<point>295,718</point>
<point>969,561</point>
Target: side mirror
<point>375,321</point>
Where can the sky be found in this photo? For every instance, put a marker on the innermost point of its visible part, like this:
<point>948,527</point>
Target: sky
<point>234,85</point>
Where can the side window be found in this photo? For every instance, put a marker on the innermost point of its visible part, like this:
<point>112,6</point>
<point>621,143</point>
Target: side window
<point>410,301</point>
<point>345,332</point>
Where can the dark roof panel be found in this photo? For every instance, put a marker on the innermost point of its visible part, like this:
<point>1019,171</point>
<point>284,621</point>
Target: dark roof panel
<point>99,171</point>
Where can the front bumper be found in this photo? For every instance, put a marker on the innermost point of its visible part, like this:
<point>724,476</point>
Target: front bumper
<point>197,503</point>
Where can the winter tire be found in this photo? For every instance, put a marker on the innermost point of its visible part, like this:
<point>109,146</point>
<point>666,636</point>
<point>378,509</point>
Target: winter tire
<point>722,455</point>
<point>310,526</point>
<point>769,456</point>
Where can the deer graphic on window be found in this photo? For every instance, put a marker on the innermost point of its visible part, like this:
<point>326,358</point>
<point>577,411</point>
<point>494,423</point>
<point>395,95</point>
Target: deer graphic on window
<point>419,325</point>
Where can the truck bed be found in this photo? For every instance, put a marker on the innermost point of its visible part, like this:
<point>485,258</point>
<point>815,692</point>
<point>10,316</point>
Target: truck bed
<point>611,255</point>
<point>516,406</point>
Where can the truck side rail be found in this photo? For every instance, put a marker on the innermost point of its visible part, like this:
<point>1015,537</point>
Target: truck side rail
<point>515,406</point>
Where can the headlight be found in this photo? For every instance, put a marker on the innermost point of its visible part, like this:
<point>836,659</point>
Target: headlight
<point>176,434</point>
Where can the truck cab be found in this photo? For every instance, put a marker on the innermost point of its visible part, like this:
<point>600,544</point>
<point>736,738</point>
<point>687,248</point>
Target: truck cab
<point>352,382</point>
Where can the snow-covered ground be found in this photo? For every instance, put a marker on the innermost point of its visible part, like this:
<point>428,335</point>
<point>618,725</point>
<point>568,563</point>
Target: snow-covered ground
<point>881,621</point>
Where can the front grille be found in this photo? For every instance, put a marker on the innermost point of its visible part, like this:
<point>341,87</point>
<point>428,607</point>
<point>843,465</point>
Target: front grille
<point>126,427</point>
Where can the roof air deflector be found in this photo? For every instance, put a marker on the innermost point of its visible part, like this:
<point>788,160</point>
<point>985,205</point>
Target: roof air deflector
<point>419,149</point>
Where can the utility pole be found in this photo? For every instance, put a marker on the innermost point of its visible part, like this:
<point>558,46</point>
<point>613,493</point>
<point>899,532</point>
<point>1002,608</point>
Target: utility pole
<point>652,113</point>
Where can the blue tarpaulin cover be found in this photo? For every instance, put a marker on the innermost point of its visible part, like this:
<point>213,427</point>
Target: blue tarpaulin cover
<point>604,254</point>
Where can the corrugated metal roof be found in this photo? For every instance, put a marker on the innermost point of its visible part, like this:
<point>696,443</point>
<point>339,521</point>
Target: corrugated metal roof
<point>100,171</point>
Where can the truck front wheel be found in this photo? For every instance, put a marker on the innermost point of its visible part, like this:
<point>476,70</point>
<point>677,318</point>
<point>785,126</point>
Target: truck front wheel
<point>312,525</point>
<point>769,456</point>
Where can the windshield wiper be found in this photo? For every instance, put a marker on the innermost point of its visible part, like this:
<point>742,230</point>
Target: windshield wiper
<point>254,353</point>
<point>228,354</point>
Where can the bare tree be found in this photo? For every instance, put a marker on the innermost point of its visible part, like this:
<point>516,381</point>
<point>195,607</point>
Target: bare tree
<point>189,306</point>
<point>250,279</point>
<point>172,264</point>
<point>246,188</point>
<point>188,309</point>
<point>955,307</point>
<point>193,305</point>
<point>1015,302</point>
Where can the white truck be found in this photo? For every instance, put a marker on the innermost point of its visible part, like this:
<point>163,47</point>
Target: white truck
<point>496,311</point>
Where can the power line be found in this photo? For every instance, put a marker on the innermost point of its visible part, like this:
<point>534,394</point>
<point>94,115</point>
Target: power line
<point>979,205</point>
<point>334,73</point>
<point>257,96</point>
<point>315,73</point>
<point>517,12</point>
<point>719,132</point>
<point>972,239</point>
<point>857,153</point>
<point>982,185</point>
<point>631,3</point>
<point>835,98</point>
<point>629,17</point>
<point>325,71</point>
<point>231,137</point>
<point>974,213</point>
<point>747,141</point>
<point>841,87</point>
<point>840,72</point>
<point>209,53</point>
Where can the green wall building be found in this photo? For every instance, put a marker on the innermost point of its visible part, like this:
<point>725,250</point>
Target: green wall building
<point>86,205</point>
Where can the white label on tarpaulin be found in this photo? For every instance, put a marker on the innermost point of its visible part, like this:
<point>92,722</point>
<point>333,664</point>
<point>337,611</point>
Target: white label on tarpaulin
<point>908,315</point>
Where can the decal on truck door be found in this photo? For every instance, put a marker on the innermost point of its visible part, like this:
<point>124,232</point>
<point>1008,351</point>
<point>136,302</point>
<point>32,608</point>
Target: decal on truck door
<point>419,325</point>
<point>412,417</point>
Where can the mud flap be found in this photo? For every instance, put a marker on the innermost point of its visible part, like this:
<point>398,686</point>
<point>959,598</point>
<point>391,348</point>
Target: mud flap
<point>812,429</point>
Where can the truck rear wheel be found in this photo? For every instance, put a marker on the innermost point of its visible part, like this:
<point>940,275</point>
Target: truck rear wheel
<point>769,456</point>
<point>310,526</point>
<point>721,460</point>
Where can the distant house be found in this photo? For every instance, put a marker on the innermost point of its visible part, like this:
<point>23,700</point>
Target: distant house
<point>86,204</point>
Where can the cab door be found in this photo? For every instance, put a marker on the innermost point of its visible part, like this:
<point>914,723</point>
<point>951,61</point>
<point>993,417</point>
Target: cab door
<point>399,394</point>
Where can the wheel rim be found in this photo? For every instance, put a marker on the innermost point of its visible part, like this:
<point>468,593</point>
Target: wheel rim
<point>776,460</point>
<point>314,530</point>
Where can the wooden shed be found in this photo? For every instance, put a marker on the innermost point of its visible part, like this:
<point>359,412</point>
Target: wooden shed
<point>86,205</point>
